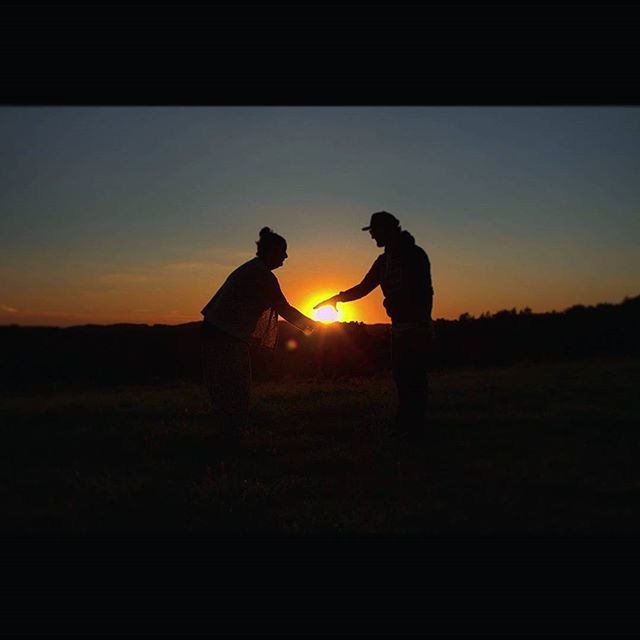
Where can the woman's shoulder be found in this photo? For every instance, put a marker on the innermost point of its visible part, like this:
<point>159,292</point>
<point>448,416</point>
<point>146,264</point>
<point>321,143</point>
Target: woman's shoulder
<point>253,266</point>
<point>257,272</point>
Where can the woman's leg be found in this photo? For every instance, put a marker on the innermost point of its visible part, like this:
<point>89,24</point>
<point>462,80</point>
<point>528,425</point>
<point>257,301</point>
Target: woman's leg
<point>227,373</point>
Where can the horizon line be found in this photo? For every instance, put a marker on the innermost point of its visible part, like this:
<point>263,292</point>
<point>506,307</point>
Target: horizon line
<point>371,324</point>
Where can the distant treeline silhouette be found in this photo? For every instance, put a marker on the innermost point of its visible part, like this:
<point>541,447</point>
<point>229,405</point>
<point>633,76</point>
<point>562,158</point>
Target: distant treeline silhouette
<point>125,354</point>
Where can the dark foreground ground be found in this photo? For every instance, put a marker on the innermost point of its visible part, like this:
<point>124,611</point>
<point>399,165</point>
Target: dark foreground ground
<point>544,448</point>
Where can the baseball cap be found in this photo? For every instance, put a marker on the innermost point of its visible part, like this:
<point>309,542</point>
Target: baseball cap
<point>382,219</point>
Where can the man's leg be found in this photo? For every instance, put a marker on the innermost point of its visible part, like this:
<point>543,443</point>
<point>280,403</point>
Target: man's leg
<point>401,366</point>
<point>409,363</point>
<point>417,401</point>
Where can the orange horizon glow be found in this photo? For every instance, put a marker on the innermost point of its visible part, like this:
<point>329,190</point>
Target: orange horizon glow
<point>368,310</point>
<point>180,296</point>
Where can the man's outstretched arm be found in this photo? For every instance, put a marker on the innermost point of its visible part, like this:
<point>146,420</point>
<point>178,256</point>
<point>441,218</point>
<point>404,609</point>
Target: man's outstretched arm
<point>368,284</point>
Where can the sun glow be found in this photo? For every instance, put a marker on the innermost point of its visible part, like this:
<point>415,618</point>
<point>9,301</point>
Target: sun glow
<point>326,314</point>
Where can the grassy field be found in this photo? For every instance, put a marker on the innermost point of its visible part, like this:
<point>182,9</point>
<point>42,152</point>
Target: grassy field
<point>544,448</point>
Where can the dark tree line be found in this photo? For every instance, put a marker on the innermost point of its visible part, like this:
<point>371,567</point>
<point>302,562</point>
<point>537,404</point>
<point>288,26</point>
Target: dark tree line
<point>139,354</point>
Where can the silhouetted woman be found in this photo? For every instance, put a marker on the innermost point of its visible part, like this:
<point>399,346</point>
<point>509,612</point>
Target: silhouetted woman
<point>244,311</point>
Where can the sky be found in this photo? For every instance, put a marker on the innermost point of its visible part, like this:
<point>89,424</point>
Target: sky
<point>138,214</point>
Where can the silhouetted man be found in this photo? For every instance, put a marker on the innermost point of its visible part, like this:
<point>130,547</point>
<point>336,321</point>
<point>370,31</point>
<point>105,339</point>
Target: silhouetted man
<point>403,272</point>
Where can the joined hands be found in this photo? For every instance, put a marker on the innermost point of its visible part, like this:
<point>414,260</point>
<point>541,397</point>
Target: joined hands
<point>310,327</point>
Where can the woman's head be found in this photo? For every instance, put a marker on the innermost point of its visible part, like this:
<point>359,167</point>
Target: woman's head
<point>272,248</point>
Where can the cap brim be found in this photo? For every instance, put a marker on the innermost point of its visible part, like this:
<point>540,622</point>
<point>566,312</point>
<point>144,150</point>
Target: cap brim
<point>366,228</point>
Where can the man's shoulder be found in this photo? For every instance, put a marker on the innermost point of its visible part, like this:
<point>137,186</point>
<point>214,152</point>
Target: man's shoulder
<point>418,259</point>
<point>418,251</point>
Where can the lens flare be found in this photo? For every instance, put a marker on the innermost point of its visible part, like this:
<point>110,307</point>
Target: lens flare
<point>326,314</point>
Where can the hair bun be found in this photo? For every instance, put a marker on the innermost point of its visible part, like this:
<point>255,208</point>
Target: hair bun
<point>265,231</point>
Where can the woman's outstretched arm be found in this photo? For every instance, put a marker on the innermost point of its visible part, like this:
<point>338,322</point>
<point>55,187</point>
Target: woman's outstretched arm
<point>292,315</point>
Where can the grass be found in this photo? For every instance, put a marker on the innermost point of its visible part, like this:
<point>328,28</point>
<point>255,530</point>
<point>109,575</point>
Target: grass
<point>544,448</point>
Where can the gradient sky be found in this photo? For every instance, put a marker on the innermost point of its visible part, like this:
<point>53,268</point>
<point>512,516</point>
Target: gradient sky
<point>137,214</point>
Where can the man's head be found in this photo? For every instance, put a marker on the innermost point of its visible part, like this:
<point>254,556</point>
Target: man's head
<point>383,227</point>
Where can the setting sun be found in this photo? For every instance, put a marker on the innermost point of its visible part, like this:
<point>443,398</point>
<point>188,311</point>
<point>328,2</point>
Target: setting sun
<point>326,314</point>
